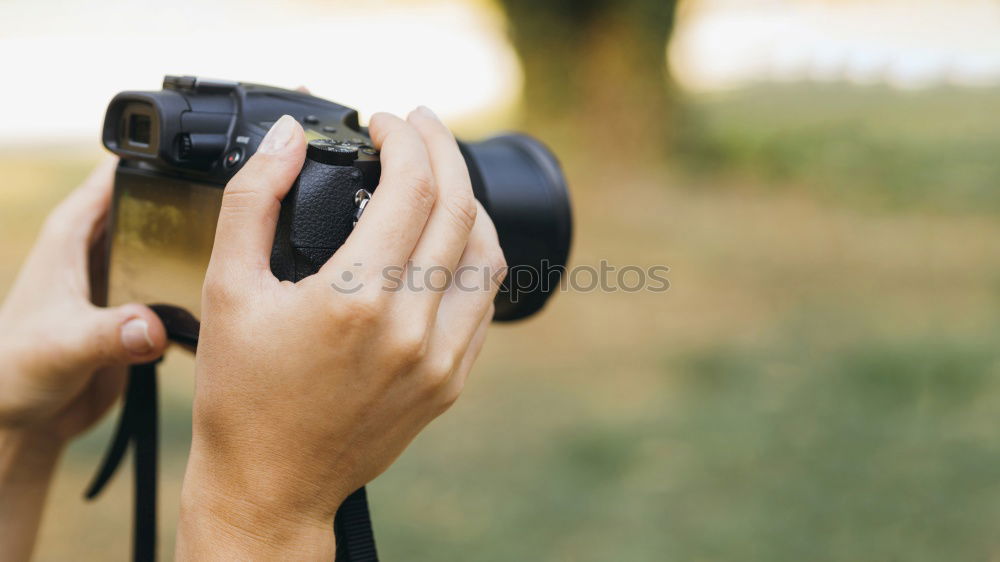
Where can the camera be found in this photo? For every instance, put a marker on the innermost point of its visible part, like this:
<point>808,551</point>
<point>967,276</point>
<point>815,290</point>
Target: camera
<point>179,147</point>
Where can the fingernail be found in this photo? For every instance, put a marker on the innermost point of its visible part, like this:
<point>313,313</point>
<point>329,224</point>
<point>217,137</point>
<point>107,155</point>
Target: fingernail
<point>135,336</point>
<point>427,111</point>
<point>277,138</point>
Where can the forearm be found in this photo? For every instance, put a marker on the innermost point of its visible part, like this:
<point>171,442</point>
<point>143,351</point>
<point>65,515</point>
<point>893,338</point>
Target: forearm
<point>219,524</point>
<point>27,462</point>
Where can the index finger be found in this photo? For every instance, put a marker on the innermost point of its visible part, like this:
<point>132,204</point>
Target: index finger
<point>395,217</point>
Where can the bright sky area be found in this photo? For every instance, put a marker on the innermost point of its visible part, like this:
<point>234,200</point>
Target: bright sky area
<point>63,60</point>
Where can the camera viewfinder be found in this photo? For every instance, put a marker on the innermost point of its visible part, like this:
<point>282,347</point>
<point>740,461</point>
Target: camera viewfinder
<point>138,129</point>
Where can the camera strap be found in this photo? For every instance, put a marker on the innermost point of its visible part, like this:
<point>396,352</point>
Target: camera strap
<point>138,426</point>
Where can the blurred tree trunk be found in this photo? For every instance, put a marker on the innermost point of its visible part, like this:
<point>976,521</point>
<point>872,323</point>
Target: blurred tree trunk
<point>596,78</point>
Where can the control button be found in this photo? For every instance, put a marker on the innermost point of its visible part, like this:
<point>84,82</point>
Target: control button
<point>336,153</point>
<point>184,146</point>
<point>369,151</point>
<point>310,120</point>
<point>234,157</point>
<point>329,129</point>
<point>179,82</point>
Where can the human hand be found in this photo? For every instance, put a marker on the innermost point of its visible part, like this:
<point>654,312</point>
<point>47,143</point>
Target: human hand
<point>305,393</point>
<point>62,359</point>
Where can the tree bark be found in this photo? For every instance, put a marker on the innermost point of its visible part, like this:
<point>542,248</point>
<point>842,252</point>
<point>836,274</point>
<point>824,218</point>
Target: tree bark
<point>596,78</point>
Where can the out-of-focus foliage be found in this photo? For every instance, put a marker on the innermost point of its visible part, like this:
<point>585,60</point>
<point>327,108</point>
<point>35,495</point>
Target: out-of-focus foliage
<point>595,72</point>
<point>935,149</point>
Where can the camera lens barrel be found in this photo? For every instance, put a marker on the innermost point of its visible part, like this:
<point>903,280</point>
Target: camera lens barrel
<point>522,187</point>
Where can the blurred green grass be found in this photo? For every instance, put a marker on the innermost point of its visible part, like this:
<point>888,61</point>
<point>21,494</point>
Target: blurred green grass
<point>821,382</point>
<point>936,148</point>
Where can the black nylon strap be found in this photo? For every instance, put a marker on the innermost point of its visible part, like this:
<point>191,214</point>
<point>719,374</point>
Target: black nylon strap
<point>137,424</point>
<point>119,443</point>
<point>353,529</point>
<point>146,439</point>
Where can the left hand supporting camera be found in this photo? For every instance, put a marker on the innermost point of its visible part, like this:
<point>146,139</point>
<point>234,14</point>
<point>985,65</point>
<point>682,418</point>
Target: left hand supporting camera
<point>62,359</point>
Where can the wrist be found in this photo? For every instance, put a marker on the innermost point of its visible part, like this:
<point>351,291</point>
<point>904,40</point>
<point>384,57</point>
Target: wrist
<point>16,413</point>
<point>218,522</point>
<point>27,461</point>
<point>34,438</point>
<point>28,451</point>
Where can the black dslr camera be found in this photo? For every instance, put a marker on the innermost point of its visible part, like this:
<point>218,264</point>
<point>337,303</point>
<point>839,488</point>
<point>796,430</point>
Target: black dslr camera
<point>179,146</point>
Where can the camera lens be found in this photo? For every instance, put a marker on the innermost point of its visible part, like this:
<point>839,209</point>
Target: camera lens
<point>522,187</point>
<point>139,127</point>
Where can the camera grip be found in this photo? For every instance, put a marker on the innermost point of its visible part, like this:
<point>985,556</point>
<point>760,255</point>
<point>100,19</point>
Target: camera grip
<point>316,217</point>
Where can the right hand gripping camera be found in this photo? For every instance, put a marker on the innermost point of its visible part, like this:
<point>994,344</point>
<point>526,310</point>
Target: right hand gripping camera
<point>179,146</point>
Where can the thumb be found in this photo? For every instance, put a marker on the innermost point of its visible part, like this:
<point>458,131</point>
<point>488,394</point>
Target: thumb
<point>252,199</point>
<point>124,335</point>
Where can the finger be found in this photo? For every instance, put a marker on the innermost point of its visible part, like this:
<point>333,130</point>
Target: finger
<point>124,335</point>
<point>457,381</point>
<point>252,200</point>
<point>71,224</point>
<point>477,279</point>
<point>454,213</point>
<point>397,212</point>
<point>303,89</point>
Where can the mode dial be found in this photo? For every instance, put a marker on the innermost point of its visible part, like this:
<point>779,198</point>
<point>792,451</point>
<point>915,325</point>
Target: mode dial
<point>335,153</point>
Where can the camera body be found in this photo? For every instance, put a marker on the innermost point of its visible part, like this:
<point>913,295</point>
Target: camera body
<point>180,146</point>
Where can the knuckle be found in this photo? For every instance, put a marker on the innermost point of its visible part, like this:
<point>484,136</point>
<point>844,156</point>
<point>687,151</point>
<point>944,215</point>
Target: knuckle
<point>364,307</point>
<point>108,348</point>
<point>410,346</point>
<point>440,369</point>
<point>451,394</point>
<point>462,209</point>
<point>496,262</point>
<point>237,199</point>
<point>496,259</point>
<point>423,190</point>
<point>219,291</point>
